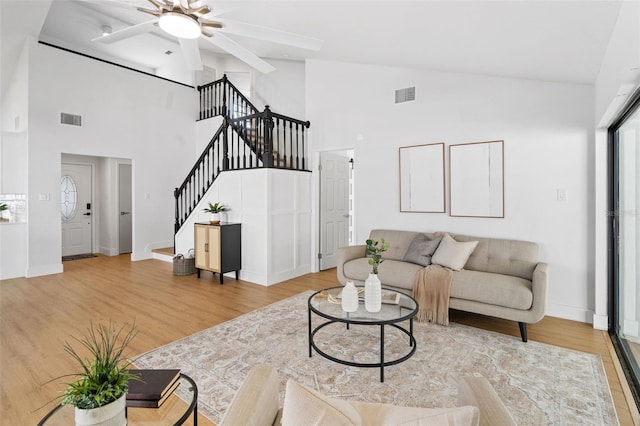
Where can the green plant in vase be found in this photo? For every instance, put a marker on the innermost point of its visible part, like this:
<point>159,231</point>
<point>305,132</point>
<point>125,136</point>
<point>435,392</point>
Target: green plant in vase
<point>375,253</point>
<point>104,375</point>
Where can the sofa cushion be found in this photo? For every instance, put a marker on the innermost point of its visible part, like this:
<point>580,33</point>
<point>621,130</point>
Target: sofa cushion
<point>509,257</point>
<point>394,273</point>
<point>453,254</point>
<point>304,406</point>
<point>492,289</point>
<point>421,249</point>
<point>399,241</point>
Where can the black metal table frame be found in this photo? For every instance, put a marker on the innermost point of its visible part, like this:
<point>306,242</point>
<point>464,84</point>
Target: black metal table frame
<point>192,409</point>
<point>392,322</point>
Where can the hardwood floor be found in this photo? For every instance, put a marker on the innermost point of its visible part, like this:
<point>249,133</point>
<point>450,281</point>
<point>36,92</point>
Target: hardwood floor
<point>39,314</point>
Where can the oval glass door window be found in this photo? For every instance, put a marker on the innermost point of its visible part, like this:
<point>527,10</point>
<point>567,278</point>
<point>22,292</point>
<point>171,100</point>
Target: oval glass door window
<point>68,198</point>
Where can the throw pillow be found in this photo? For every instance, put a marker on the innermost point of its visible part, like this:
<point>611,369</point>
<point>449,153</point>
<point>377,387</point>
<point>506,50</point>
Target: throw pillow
<point>453,254</point>
<point>421,249</point>
<point>304,406</point>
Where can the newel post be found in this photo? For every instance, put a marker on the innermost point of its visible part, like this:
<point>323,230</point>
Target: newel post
<point>225,86</point>
<point>176,195</point>
<point>267,158</point>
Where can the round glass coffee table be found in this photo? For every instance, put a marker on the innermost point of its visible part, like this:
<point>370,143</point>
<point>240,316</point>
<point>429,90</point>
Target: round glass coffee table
<point>171,412</point>
<point>326,304</point>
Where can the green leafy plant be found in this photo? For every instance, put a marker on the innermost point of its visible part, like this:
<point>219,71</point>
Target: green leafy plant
<point>376,252</point>
<point>3,207</point>
<point>215,208</point>
<point>104,377</point>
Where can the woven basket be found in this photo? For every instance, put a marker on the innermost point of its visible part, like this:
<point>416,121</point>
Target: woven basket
<point>183,265</point>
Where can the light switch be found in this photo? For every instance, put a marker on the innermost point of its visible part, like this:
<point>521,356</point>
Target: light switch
<point>563,194</point>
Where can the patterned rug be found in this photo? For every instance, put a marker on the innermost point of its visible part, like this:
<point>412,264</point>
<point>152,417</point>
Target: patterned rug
<point>540,384</point>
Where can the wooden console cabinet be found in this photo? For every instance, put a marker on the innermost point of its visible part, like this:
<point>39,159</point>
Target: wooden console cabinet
<point>218,248</point>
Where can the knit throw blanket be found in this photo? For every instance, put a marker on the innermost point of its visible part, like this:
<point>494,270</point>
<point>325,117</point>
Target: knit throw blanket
<point>431,289</point>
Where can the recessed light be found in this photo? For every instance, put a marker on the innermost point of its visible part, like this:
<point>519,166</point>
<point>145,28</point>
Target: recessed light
<point>106,30</point>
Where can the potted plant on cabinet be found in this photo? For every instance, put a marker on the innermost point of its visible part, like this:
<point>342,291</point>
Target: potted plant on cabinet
<point>100,391</point>
<point>215,210</point>
<point>3,207</point>
<point>372,285</point>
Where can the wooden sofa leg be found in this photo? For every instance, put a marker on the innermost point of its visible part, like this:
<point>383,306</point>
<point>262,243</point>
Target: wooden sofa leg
<point>523,331</point>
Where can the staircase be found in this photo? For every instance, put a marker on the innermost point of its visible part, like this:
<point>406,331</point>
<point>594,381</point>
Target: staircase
<point>246,139</point>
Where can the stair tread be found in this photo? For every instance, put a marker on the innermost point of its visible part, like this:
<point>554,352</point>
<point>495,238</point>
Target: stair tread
<point>164,250</point>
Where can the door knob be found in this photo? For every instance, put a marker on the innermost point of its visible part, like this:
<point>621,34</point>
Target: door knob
<point>123,213</point>
<point>87,214</point>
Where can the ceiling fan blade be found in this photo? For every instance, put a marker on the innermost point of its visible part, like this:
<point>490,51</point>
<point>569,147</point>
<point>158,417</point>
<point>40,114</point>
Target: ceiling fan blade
<point>246,56</point>
<point>134,30</point>
<point>269,34</point>
<point>209,24</point>
<point>191,53</point>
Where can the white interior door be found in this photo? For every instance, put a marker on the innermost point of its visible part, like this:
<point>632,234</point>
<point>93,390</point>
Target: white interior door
<point>75,208</point>
<point>334,207</point>
<point>124,203</point>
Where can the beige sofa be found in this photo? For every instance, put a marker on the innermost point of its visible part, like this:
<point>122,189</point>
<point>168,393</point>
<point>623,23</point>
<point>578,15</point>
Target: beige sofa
<point>501,278</point>
<point>256,403</point>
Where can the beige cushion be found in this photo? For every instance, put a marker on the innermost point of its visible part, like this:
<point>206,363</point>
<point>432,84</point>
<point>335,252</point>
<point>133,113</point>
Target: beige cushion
<point>304,406</point>
<point>261,388</point>
<point>453,254</point>
<point>492,289</point>
<point>395,273</point>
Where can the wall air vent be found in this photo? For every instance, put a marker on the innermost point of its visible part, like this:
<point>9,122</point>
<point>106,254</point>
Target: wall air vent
<point>406,95</point>
<point>71,119</point>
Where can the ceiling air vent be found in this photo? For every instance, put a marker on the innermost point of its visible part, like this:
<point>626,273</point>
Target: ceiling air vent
<point>406,95</point>
<point>71,119</point>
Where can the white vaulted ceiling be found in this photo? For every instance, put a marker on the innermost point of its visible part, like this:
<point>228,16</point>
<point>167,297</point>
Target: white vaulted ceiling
<point>543,40</point>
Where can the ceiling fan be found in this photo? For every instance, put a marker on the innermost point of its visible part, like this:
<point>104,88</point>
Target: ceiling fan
<point>187,20</point>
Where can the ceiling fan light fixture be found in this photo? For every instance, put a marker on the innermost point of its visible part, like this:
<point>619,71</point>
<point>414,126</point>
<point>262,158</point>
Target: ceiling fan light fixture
<point>179,25</point>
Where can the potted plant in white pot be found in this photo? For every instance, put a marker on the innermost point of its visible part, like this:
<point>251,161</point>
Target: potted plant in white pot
<point>100,391</point>
<point>372,285</point>
<point>215,210</point>
<point>3,207</point>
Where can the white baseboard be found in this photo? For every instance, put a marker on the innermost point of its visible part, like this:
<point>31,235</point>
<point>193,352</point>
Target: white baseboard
<point>38,271</point>
<point>600,322</point>
<point>107,251</point>
<point>570,312</point>
<point>164,257</point>
<point>141,255</point>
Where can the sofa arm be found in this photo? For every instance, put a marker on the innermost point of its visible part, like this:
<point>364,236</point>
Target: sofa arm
<point>539,285</point>
<point>345,254</point>
<point>256,403</point>
<point>477,391</point>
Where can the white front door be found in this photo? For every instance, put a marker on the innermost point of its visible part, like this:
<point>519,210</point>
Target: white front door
<point>124,202</point>
<point>334,207</point>
<point>76,208</point>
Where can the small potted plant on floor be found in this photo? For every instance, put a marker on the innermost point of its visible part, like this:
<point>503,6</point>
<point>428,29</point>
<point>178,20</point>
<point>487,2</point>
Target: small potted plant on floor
<point>215,210</point>
<point>100,391</point>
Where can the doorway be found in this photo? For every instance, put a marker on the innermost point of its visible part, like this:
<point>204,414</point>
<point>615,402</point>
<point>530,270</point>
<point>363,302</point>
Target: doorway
<point>336,205</point>
<point>76,196</point>
<point>625,242</point>
<point>124,203</point>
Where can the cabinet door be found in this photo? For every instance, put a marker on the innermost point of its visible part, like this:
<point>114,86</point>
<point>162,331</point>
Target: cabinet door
<point>214,248</point>
<point>201,247</point>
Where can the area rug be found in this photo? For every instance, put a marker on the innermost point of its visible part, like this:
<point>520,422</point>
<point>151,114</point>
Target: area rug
<point>540,384</point>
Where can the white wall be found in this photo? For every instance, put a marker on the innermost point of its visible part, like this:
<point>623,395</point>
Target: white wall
<point>125,114</point>
<point>547,130</point>
<point>274,208</point>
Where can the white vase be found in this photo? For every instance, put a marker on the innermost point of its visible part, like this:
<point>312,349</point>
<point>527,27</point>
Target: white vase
<point>372,293</point>
<point>112,414</point>
<point>349,297</point>
<point>215,218</point>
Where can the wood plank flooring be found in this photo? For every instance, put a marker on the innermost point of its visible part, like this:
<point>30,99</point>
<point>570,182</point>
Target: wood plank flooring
<point>38,314</point>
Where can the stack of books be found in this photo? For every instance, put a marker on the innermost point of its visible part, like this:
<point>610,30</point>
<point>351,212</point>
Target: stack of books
<point>152,387</point>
